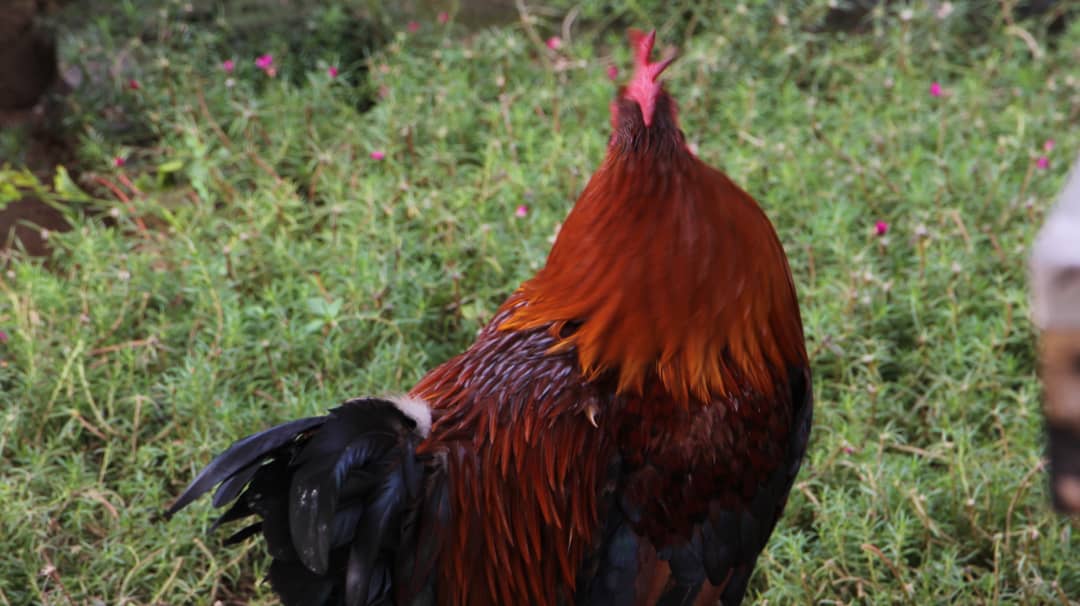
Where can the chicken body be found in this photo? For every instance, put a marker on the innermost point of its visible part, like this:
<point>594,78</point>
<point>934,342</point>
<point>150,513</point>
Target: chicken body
<point>567,492</point>
<point>624,431</point>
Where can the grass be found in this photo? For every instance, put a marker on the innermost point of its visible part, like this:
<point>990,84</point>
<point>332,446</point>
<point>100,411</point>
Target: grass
<point>272,267</point>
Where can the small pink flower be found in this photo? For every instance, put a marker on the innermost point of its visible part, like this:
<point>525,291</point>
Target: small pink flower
<point>413,27</point>
<point>612,73</point>
<point>935,89</point>
<point>848,450</point>
<point>228,66</point>
<point>119,161</point>
<point>1043,162</point>
<point>521,211</point>
<point>444,17</point>
<point>881,228</point>
<point>377,155</point>
<point>133,84</point>
<point>332,71</point>
<point>1048,146</point>
<point>265,62</point>
<point>554,42</point>
<point>3,337</point>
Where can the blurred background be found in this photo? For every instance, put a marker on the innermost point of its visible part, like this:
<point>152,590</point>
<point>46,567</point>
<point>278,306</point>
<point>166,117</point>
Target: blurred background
<point>216,215</point>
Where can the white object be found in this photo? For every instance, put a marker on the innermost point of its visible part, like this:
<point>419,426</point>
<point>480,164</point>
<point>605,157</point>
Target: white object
<point>1055,262</point>
<point>1055,306</point>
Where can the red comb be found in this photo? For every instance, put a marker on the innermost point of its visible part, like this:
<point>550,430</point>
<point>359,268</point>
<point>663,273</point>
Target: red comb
<point>643,87</point>
<point>643,46</point>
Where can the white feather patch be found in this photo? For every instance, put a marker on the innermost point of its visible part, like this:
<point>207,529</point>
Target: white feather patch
<point>416,409</point>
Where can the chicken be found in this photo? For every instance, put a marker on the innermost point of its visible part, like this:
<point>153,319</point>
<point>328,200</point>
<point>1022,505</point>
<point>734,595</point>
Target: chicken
<point>625,430</point>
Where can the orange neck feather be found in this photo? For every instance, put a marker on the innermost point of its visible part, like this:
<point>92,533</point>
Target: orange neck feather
<point>666,270</point>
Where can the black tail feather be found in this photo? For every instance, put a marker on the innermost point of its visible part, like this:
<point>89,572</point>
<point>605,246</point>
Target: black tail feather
<point>238,511</point>
<point>340,499</point>
<point>230,488</point>
<point>241,535</point>
<point>241,454</point>
<point>296,585</point>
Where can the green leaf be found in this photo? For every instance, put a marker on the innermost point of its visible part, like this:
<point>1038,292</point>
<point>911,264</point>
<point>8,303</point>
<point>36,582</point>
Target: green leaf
<point>8,194</point>
<point>169,167</point>
<point>334,308</point>
<point>317,306</point>
<point>65,187</point>
<point>16,183</point>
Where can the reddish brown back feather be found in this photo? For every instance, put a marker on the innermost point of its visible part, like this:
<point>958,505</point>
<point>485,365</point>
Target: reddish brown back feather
<point>525,468</point>
<point>669,267</point>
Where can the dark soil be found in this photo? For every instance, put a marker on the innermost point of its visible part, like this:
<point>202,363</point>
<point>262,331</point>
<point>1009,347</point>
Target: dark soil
<point>28,75</point>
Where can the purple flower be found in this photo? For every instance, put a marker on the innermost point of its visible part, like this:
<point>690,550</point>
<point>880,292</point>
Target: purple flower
<point>554,43</point>
<point>935,89</point>
<point>333,71</point>
<point>377,155</point>
<point>3,337</point>
<point>1043,162</point>
<point>521,211</point>
<point>266,63</point>
<point>881,228</point>
<point>229,65</point>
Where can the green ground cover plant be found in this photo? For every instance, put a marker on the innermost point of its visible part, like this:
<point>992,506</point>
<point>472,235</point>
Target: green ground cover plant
<point>343,214</point>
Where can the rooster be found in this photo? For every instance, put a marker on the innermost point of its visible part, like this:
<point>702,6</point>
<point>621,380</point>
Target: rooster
<point>625,430</point>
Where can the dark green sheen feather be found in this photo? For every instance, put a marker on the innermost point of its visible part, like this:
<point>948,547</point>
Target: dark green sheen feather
<point>339,500</point>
